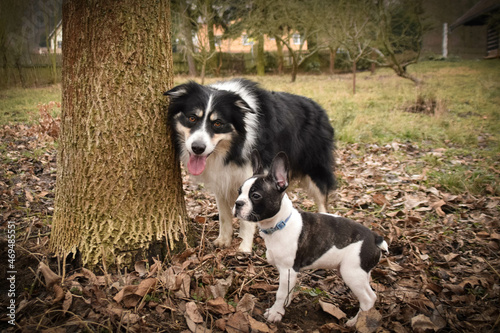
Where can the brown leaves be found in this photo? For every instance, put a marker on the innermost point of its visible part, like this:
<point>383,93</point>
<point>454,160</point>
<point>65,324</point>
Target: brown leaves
<point>52,281</point>
<point>442,271</point>
<point>131,295</point>
<point>332,310</point>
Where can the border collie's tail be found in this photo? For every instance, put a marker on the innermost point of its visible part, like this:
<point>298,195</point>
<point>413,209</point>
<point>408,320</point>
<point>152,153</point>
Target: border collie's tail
<point>381,243</point>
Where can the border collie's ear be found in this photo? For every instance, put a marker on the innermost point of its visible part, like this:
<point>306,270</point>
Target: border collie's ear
<point>241,104</point>
<point>181,90</point>
<point>257,163</point>
<point>279,171</point>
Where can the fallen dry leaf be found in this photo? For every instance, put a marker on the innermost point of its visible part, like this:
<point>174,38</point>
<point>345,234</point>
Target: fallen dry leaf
<point>332,310</point>
<point>257,326</point>
<point>52,281</point>
<point>221,287</point>
<point>422,323</point>
<point>219,306</point>
<point>193,312</point>
<point>368,321</point>
<point>140,267</point>
<point>246,304</point>
<point>68,300</point>
<point>238,323</point>
<point>146,286</point>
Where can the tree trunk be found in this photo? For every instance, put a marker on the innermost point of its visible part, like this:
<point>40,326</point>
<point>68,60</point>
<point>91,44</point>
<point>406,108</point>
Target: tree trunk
<point>188,37</point>
<point>119,185</point>
<point>279,47</point>
<point>333,54</point>
<point>261,65</point>
<point>203,70</point>
<point>354,77</point>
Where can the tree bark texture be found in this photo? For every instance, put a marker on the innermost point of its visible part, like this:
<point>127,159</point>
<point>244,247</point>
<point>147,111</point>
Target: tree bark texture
<point>119,184</point>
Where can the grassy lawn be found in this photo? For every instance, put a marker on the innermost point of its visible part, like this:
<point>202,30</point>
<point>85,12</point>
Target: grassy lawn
<point>458,114</point>
<point>18,105</point>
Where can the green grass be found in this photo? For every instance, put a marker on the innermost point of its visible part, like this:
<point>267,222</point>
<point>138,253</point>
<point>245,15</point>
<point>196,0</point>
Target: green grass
<point>466,93</point>
<point>18,105</point>
<point>465,96</point>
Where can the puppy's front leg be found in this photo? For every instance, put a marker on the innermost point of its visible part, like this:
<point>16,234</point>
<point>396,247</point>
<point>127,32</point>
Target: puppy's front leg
<point>288,277</point>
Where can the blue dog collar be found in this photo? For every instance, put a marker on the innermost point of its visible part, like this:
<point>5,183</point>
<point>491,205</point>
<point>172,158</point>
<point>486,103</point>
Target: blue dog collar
<point>277,227</point>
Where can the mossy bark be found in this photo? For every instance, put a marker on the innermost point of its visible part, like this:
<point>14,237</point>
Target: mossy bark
<point>119,185</point>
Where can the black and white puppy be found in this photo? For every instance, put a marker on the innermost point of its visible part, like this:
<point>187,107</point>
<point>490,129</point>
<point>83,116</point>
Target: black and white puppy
<point>301,240</point>
<point>216,127</point>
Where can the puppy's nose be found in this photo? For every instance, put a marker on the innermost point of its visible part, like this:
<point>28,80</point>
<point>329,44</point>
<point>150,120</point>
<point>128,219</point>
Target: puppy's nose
<point>198,147</point>
<point>239,204</point>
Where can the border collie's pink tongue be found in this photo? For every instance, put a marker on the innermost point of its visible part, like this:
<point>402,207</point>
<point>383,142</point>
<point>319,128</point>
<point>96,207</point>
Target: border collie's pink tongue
<point>196,164</point>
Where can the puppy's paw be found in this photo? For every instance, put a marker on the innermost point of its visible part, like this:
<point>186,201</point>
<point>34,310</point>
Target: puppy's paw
<point>274,315</point>
<point>222,242</point>
<point>352,322</point>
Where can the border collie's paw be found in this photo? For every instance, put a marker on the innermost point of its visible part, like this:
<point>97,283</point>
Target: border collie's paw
<point>222,242</point>
<point>274,315</point>
<point>245,248</point>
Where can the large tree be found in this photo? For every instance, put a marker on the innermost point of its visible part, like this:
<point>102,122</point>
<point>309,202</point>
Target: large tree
<point>118,181</point>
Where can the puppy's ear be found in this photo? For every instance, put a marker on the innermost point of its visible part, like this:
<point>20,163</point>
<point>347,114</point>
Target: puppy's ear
<point>182,90</point>
<point>279,171</point>
<point>257,163</point>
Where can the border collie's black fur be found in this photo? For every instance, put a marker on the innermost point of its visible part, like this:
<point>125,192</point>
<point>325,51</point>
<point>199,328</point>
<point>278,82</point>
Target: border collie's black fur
<point>217,126</point>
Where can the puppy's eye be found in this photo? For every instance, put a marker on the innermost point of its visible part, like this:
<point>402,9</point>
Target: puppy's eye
<point>217,124</point>
<point>256,196</point>
<point>192,119</point>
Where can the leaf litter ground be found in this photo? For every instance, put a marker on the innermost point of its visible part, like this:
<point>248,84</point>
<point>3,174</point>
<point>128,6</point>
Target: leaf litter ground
<point>442,272</point>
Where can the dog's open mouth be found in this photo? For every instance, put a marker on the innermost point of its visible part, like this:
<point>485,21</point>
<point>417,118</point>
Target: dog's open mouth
<point>196,164</point>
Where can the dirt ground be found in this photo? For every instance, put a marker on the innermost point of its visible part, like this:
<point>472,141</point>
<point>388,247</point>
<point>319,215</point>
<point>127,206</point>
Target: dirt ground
<point>442,272</point>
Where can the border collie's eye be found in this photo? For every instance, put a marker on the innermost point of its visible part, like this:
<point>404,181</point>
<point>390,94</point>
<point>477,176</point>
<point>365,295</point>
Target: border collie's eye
<point>192,119</point>
<point>217,124</point>
<point>256,196</point>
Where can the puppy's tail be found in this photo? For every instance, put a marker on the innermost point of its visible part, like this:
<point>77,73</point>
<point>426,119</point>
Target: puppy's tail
<point>381,243</point>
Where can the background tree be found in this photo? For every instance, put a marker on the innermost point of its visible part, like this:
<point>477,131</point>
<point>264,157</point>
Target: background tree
<point>355,30</point>
<point>50,27</point>
<point>400,30</point>
<point>182,13</point>
<point>118,181</point>
<point>330,29</point>
<point>298,22</point>
<point>14,40</point>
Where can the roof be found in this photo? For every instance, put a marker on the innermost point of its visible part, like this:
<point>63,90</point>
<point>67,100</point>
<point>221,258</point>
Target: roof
<point>55,29</point>
<point>478,14</point>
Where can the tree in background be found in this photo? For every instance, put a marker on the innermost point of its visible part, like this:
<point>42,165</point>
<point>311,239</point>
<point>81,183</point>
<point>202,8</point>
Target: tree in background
<point>51,27</point>
<point>356,26</point>
<point>399,35</point>
<point>13,38</point>
<point>119,185</point>
<point>296,24</point>
<point>181,15</point>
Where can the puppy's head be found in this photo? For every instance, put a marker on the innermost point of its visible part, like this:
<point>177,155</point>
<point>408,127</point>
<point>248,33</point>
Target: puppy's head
<point>206,121</point>
<point>260,196</point>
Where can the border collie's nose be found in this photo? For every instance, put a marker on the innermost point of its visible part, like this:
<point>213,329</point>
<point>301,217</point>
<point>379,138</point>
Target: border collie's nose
<point>239,204</point>
<point>198,147</point>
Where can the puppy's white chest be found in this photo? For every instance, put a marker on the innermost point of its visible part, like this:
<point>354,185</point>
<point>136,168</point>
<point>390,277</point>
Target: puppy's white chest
<point>282,245</point>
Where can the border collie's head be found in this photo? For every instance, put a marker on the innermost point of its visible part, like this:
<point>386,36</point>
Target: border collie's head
<point>218,119</point>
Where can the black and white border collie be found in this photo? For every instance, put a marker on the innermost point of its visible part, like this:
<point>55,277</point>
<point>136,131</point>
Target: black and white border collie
<point>216,128</point>
<point>301,240</point>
